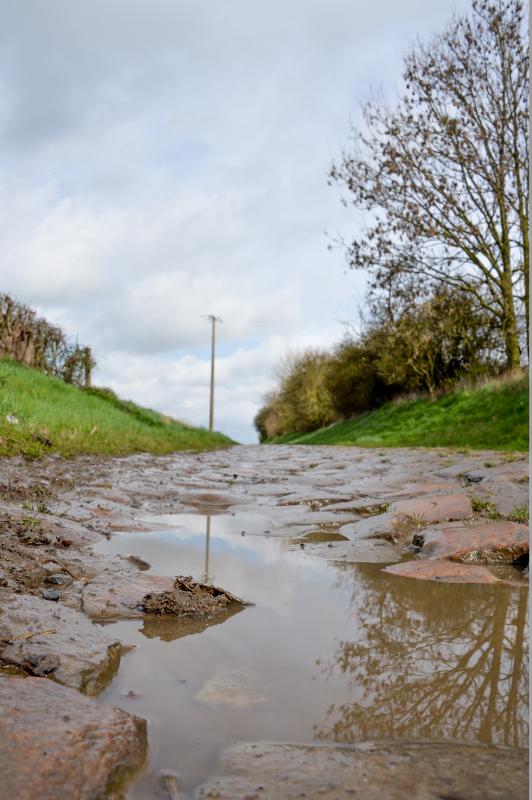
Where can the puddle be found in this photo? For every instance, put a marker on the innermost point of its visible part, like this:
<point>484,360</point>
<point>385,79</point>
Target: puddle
<point>328,652</point>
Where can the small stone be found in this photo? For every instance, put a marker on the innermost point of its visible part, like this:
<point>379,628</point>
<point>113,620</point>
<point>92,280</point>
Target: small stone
<point>472,477</point>
<point>139,562</point>
<point>51,594</point>
<point>5,634</point>
<point>238,688</point>
<point>169,783</point>
<point>43,664</point>
<point>35,538</point>
<point>59,579</point>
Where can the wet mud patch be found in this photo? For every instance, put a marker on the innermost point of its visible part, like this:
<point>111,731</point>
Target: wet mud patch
<point>335,650</point>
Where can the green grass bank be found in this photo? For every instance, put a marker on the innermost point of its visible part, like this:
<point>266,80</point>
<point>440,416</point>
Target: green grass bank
<point>492,417</point>
<point>40,415</point>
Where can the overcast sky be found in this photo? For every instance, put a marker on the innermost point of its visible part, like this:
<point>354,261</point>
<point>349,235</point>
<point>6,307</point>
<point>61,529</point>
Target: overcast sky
<point>165,159</point>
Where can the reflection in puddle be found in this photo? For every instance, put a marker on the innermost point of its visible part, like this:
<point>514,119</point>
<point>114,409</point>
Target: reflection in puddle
<point>168,629</point>
<point>339,652</point>
<point>432,661</point>
<point>207,549</point>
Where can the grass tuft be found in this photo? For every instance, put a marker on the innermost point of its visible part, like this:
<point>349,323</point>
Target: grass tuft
<point>485,507</point>
<point>520,514</point>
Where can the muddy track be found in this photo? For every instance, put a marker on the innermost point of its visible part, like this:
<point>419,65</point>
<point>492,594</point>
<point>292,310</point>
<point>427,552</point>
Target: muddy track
<point>421,515</point>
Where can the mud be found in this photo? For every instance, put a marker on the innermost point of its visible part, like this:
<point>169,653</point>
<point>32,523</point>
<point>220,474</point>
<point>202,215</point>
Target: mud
<point>190,598</point>
<point>94,540</point>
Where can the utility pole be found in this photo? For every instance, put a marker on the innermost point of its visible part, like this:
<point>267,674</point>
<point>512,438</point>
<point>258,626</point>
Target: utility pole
<point>207,547</point>
<point>213,320</point>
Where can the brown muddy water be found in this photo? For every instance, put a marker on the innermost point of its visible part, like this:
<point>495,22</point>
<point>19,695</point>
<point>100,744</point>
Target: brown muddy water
<point>329,651</point>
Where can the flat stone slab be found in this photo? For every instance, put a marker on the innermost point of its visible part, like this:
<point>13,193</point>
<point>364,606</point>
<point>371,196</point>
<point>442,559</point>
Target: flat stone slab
<point>435,508</point>
<point>120,595</point>
<point>362,552</point>
<point>211,501</point>
<point>369,771</point>
<point>303,515</point>
<point>505,494</point>
<point>56,743</point>
<point>378,526</point>
<point>489,543</point>
<point>356,505</point>
<point>237,688</point>
<point>440,570</point>
<point>421,488</point>
<point>46,638</point>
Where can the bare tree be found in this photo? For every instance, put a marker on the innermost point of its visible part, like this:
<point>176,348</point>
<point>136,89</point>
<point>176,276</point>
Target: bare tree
<point>445,171</point>
<point>33,341</point>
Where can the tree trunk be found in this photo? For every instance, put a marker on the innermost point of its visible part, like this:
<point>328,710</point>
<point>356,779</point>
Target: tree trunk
<point>509,320</point>
<point>511,338</point>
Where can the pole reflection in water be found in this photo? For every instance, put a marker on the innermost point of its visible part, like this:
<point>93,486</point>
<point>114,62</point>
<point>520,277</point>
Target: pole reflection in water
<point>428,660</point>
<point>207,550</point>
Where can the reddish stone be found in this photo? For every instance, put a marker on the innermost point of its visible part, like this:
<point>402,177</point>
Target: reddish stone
<point>56,743</point>
<point>419,489</point>
<point>488,543</point>
<point>440,570</point>
<point>435,508</point>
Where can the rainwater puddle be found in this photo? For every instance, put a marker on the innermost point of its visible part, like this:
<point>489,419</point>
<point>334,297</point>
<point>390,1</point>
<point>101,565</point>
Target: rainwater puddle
<point>332,652</point>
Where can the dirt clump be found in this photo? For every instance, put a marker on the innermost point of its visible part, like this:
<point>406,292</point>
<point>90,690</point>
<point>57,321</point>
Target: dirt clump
<point>189,598</point>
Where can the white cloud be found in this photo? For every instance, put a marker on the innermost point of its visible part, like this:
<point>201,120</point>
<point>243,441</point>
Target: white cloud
<point>166,159</point>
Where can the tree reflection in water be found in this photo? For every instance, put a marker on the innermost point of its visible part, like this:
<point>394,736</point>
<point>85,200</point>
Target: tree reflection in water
<point>438,661</point>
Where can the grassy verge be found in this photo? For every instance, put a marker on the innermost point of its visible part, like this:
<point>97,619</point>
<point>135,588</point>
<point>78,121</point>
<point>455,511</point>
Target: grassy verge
<point>41,415</point>
<point>493,417</point>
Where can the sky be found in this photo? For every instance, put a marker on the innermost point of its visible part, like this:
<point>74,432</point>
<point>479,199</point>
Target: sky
<point>162,160</point>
